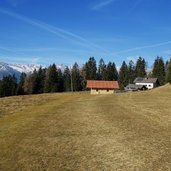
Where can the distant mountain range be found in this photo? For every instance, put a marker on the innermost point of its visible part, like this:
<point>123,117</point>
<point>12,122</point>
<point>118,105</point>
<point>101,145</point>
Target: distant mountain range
<point>11,69</point>
<point>17,69</point>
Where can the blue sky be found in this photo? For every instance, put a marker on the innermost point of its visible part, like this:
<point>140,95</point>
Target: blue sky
<point>65,31</point>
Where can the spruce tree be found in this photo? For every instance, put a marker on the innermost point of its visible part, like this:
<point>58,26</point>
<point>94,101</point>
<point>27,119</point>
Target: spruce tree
<point>111,72</point>
<point>41,79</point>
<point>20,87</point>
<point>67,79</point>
<point>131,71</point>
<point>8,86</point>
<point>101,70</point>
<point>123,75</point>
<point>140,68</point>
<point>51,81</point>
<point>35,82</point>
<point>90,69</point>
<point>1,88</point>
<point>76,78</point>
<point>168,75</point>
<point>159,70</point>
<point>13,85</point>
<point>38,80</point>
<point>166,65</point>
<point>60,81</point>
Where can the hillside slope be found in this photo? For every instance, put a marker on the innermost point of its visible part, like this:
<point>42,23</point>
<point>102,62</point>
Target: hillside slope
<point>78,131</point>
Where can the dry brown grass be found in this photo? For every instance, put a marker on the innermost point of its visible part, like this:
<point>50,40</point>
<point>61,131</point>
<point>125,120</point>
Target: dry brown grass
<point>129,132</point>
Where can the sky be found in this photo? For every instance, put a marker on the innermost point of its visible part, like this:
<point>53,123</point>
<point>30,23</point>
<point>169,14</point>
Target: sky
<point>67,31</point>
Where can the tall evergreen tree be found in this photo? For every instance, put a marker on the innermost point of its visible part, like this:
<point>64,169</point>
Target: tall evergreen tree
<point>168,74</point>
<point>111,71</point>
<point>101,70</point>
<point>140,68</point>
<point>159,70</point>
<point>166,70</point>
<point>20,87</point>
<point>51,81</point>
<point>90,69</point>
<point>60,81</point>
<point>8,86</point>
<point>76,78</point>
<point>131,71</point>
<point>123,75</point>
<point>67,79</point>
<point>35,82</point>
<point>166,65</point>
<point>1,88</point>
<point>13,85</point>
<point>38,80</point>
<point>41,79</point>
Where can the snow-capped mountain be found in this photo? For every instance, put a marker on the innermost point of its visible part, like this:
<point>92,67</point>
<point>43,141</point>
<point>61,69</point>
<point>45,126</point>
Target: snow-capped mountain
<point>25,68</point>
<point>17,69</point>
<point>61,67</point>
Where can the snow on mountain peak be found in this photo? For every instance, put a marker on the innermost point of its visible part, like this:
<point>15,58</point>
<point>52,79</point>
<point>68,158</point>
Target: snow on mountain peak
<point>25,68</point>
<point>16,69</point>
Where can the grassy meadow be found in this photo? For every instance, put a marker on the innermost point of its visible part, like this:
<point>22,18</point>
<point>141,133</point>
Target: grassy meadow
<point>79,131</point>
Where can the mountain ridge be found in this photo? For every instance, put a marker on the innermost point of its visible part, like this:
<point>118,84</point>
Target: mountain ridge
<point>16,69</point>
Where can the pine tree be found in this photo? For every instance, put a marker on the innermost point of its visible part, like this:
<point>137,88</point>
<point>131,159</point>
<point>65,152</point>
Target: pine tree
<point>20,87</point>
<point>76,78</point>
<point>168,75</point>
<point>13,85</point>
<point>60,81</point>
<point>35,82</point>
<point>41,79</point>
<point>123,75</point>
<point>166,65</point>
<point>159,70</point>
<point>1,88</point>
<point>140,68</point>
<point>101,70</point>
<point>67,79</point>
<point>111,72</point>
<point>51,81</point>
<point>166,70</point>
<point>38,80</point>
<point>90,69</point>
<point>8,86</point>
<point>131,71</point>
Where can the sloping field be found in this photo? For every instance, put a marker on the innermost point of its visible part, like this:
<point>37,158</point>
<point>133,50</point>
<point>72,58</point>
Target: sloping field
<point>129,132</point>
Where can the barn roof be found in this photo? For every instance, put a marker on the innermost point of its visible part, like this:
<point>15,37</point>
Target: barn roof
<point>102,84</point>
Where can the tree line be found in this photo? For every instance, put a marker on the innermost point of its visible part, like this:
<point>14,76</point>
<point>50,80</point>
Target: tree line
<point>52,79</point>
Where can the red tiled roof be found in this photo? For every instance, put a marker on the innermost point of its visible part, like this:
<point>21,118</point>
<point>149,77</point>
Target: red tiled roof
<point>102,84</point>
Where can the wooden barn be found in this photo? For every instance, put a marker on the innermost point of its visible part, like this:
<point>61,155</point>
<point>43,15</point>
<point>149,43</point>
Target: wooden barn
<point>102,87</point>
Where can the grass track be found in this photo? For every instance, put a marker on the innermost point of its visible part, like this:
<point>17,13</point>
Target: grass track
<point>82,132</point>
